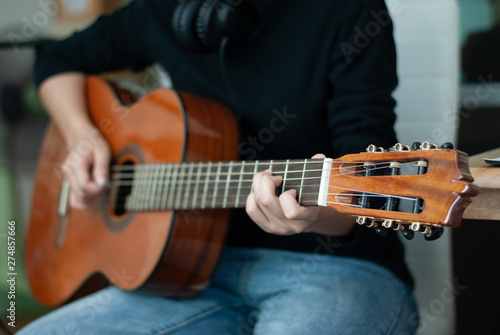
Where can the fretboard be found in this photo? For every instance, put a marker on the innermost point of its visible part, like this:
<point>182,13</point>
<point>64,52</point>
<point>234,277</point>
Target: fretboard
<point>179,186</point>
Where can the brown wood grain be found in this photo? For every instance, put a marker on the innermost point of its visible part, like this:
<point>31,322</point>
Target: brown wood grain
<point>486,206</point>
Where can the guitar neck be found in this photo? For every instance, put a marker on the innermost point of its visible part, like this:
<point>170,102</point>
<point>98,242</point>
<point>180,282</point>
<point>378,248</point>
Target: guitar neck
<point>179,186</point>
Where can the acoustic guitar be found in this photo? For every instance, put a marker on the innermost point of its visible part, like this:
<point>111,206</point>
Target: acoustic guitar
<point>174,177</point>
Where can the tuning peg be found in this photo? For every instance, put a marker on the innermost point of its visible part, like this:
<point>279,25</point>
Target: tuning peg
<point>408,233</point>
<point>416,145</point>
<point>373,224</point>
<point>417,227</point>
<point>400,147</point>
<point>387,223</point>
<point>427,146</point>
<point>381,231</point>
<point>374,148</point>
<point>447,145</point>
<point>434,234</point>
<point>362,220</point>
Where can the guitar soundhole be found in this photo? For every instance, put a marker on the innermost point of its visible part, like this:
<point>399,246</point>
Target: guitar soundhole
<point>122,189</point>
<point>114,202</point>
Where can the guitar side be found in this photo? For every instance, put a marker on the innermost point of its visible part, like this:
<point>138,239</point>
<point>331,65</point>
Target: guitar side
<point>162,251</point>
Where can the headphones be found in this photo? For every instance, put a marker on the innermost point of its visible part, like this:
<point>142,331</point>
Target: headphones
<point>202,25</point>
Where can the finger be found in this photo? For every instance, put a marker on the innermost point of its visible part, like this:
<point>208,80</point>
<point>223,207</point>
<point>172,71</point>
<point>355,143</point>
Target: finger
<point>264,185</point>
<point>100,169</point>
<point>269,224</point>
<point>292,209</point>
<point>255,213</point>
<point>84,179</point>
<point>318,156</point>
<point>77,201</point>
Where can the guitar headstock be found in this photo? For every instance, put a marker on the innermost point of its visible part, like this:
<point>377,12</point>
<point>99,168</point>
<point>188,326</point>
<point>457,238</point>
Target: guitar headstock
<point>422,188</point>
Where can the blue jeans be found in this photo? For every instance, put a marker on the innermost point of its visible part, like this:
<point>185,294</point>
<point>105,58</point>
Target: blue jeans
<point>254,291</point>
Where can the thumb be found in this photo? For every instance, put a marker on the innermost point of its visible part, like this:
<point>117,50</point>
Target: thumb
<point>318,156</point>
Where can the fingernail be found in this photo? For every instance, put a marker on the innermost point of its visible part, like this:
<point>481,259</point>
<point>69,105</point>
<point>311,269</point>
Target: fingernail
<point>101,181</point>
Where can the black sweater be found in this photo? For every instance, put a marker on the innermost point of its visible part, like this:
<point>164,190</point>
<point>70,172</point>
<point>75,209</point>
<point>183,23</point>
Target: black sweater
<point>318,74</point>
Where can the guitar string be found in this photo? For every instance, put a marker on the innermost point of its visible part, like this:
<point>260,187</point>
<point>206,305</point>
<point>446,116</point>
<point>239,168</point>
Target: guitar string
<point>119,168</point>
<point>218,203</point>
<point>267,162</point>
<point>373,195</point>
<point>117,178</point>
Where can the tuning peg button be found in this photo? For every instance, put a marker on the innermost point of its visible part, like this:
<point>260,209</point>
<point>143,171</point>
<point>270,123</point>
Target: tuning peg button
<point>428,146</point>
<point>408,234</point>
<point>381,231</point>
<point>436,232</point>
<point>416,145</point>
<point>447,145</point>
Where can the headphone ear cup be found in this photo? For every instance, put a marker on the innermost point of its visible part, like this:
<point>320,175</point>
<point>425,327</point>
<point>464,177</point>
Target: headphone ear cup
<point>183,24</point>
<point>210,23</point>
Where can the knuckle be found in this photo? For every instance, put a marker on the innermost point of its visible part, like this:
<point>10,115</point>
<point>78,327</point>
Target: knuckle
<point>291,214</point>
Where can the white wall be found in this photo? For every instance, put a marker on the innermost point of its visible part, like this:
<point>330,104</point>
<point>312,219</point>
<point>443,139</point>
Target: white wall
<point>427,41</point>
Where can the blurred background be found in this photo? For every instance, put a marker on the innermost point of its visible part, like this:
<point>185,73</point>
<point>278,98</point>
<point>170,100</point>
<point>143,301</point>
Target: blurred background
<point>451,45</point>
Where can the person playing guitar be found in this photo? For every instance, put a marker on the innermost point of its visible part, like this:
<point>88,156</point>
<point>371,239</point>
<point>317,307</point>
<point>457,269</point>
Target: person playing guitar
<point>300,78</point>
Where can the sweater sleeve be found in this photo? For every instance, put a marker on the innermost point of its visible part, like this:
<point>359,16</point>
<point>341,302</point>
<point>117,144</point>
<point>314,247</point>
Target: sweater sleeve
<point>363,77</point>
<point>113,42</point>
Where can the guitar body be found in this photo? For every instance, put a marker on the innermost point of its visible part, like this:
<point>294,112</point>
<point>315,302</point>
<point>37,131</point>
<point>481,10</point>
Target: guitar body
<point>172,253</point>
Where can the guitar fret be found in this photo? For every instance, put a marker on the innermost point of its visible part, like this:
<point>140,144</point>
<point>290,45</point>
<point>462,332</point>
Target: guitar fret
<point>161,176</point>
<point>189,182</point>
<point>147,188</point>
<point>173,184</point>
<point>228,181</point>
<point>254,173</point>
<point>180,184</point>
<point>205,188</point>
<point>302,180</point>
<point>144,188</point>
<point>240,179</point>
<point>284,177</point>
<point>166,188</point>
<point>154,183</point>
<point>197,186</point>
<point>140,188</point>
<point>131,200</point>
<point>216,185</point>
